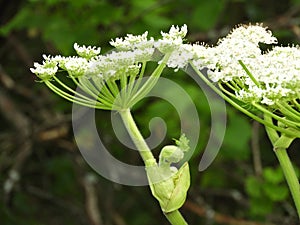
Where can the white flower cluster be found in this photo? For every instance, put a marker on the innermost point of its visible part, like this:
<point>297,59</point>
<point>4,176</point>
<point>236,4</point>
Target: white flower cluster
<point>46,70</point>
<point>236,61</point>
<point>131,42</point>
<point>131,52</point>
<point>113,65</point>
<point>275,74</point>
<point>278,73</point>
<point>171,40</point>
<point>241,44</point>
<point>86,52</point>
<point>253,33</point>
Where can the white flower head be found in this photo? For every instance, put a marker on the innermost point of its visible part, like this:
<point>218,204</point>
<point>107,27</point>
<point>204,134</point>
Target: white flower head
<point>132,42</point>
<point>112,65</point>
<point>76,66</point>
<point>171,40</point>
<point>46,70</point>
<point>253,33</point>
<point>277,75</point>
<point>265,78</point>
<point>175,32</point>
<point>180,57</point>
<point>87,52</point>
<point>143,55</point>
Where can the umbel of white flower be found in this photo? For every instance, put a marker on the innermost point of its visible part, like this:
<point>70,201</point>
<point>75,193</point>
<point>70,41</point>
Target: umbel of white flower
<point>256,82</point>
<point>253,80</point>
<point>114,80</point>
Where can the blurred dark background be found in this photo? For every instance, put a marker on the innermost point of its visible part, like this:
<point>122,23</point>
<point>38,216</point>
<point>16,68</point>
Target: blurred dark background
<point>43,178</point>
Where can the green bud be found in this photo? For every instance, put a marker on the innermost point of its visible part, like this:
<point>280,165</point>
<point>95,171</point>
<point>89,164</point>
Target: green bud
<point>173,154</point>
<point>170,154</point>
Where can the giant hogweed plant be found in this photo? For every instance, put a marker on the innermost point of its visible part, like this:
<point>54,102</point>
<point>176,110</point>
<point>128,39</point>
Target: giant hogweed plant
<point>114,81</point>
<point>262,84</point>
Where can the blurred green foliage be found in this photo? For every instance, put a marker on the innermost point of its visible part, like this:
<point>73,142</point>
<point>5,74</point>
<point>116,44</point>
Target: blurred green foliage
<point>265,191</point>
<point>52,26</point>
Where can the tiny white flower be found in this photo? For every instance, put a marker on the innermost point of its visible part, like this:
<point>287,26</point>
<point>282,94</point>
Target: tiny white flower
<point>87,52</point>
<point>76,66</point>
<point>265,100</point>
<point>112,65</point>
<point>253,33</point>
<point>171,40</point>
<point>46,70</point>
<point>175,32</point>
<point>132,42</point>
<point>180,57</point>
<point>143,55</point>
<point>43,72</point>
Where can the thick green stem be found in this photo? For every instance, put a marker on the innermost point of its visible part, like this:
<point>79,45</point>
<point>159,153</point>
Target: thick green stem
<point>136,136</point>
<point>280,144</point>
<point>176,218</point>
<point>290,176</point>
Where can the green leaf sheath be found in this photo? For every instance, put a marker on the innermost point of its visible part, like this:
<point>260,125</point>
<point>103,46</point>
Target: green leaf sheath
<point>170,189</point>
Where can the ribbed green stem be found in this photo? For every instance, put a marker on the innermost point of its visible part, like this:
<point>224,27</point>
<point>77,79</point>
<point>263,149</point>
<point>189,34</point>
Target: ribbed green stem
<point>280,144</point>
<point>290,176</point>
<point>175,218</point>
<point>136,136</point>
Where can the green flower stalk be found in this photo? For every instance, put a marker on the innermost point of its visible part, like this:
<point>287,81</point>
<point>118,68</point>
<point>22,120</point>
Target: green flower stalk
<point>116,81</point>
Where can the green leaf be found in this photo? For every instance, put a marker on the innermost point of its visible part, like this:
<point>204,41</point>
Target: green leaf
<point>253,187</point>
<point>276,192</point>
<point>274,176</point>
<point>260,206</point>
